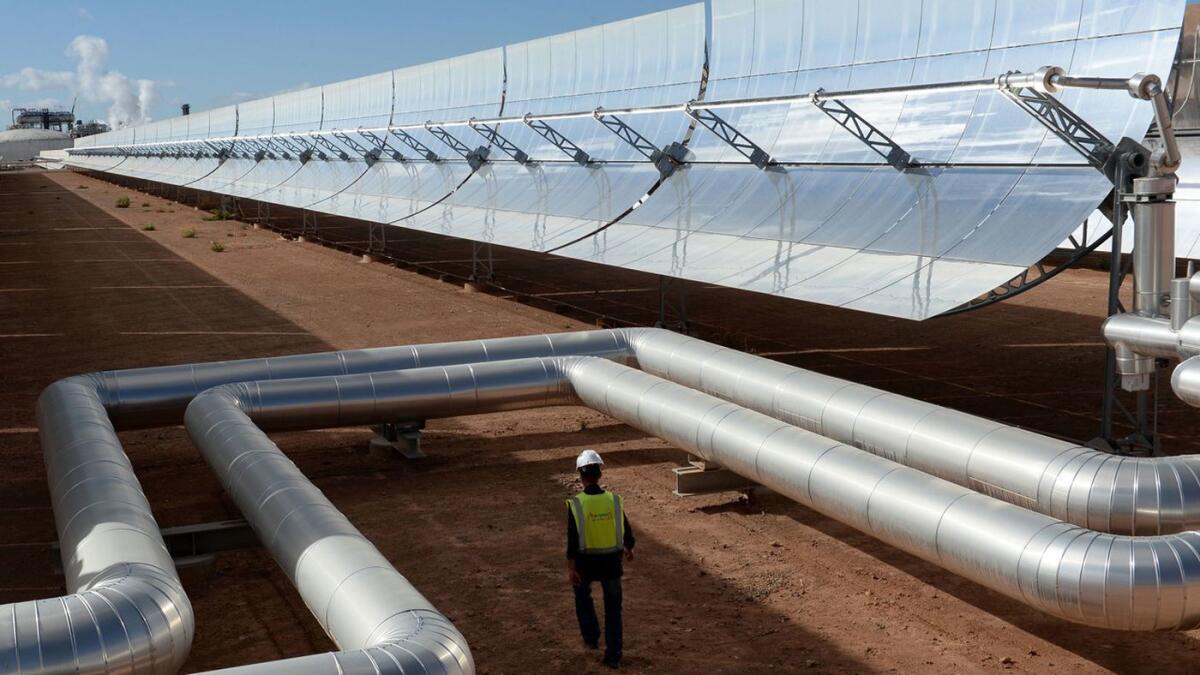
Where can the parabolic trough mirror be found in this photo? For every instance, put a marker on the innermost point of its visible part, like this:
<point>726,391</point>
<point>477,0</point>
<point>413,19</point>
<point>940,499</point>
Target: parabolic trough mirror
<point>802,198</point>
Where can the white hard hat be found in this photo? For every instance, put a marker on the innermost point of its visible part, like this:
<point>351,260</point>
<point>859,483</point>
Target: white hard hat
<point>587,458</point>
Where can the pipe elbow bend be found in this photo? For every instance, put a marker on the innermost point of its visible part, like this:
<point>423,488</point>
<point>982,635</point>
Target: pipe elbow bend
<point>1112,581</point>
<point>1185,381</point>
<point>133,617</point>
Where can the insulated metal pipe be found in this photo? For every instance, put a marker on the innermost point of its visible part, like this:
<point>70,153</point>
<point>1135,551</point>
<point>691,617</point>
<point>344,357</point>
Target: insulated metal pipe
<point>1104,580</point>
<point>1153,268</point>
<point>1154,244</point>
<point>1133,495</point>
<point>149,397</point>
<point>127,611</point>
<point>1185,382</point>
<point>1077,484</point>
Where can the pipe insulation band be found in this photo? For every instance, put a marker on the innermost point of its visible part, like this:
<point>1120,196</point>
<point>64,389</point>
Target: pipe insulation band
<point>1089,577</point>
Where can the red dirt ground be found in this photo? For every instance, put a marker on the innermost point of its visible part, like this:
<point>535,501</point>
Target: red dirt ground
<point>719,584</point>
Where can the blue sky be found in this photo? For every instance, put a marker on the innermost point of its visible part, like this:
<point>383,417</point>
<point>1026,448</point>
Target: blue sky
<point>216,52</point>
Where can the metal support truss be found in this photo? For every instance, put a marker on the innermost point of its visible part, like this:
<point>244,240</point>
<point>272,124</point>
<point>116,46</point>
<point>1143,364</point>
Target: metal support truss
<point>309,149</point>
<point>369,155</point>
<point>561,142</point>
<point>666,160</point>
<point>420,148</point>
<point>1064,123</point>
<point>864,131</point>
<point>1038,274</point>
<point>382,145</point>
<point>328,145</point>
<point>734,138</point>
<point>235,150</point>
<point>277,148</point>
<point>290,146</point>
<point>476,158</point>
<point>221,152</point>
<point>493,136</point>
<point>260,150</point>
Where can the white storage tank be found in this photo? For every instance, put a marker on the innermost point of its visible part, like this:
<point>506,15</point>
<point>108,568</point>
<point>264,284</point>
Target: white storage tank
<point>22,145</point>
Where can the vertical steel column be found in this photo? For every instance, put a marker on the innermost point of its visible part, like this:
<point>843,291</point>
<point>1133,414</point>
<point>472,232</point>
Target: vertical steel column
<point>1153,261</point>
<point>1154,243</point>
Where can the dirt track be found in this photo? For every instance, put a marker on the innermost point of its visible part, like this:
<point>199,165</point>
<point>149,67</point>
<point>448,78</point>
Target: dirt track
<point>720,585</point>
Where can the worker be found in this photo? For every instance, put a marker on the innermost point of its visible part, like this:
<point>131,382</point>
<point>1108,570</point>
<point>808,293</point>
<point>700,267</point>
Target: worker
<point>598,535</point>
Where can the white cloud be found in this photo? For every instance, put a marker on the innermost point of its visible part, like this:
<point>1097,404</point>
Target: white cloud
<point>84,14</point>
<point>129,99</point>
<point>299,87</point>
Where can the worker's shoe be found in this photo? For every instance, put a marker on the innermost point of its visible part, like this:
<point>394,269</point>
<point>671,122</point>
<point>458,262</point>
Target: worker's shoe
<point>610,662</point>
<point>595,644</point>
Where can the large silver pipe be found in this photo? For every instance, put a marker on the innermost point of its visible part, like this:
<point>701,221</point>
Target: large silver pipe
<point>1105,580</point>
<point>150,397</point>
<point>1125,495</point>
<point>1185,382</point>
<point>1077,484</point>
<point>127,611</point>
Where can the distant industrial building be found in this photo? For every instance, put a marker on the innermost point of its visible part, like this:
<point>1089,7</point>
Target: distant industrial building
<point>22,145</point>
<point>36,129</point>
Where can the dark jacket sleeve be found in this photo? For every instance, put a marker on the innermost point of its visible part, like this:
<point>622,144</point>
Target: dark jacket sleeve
<point>572,536</point>
<point>629,541</point>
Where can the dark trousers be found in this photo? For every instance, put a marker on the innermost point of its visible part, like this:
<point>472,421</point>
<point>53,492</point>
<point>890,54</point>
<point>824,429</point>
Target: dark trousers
<point>585,611</point>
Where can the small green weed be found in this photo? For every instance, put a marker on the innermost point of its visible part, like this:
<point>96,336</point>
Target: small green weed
<point>189,233</point>
<point>122,202</point>
<point>149,227</point>
<point>217,247</point>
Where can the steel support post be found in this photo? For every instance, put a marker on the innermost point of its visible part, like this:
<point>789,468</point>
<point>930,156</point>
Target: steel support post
<point>483,262</point>
<point>672,311</point>
<point>376,237</point>
<point>1153,267</point>
<point>308,224</point>
<point>404,439</point>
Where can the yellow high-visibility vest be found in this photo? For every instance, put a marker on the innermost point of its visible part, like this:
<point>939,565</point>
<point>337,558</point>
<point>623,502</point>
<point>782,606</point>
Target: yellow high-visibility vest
<point>599,520</point>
